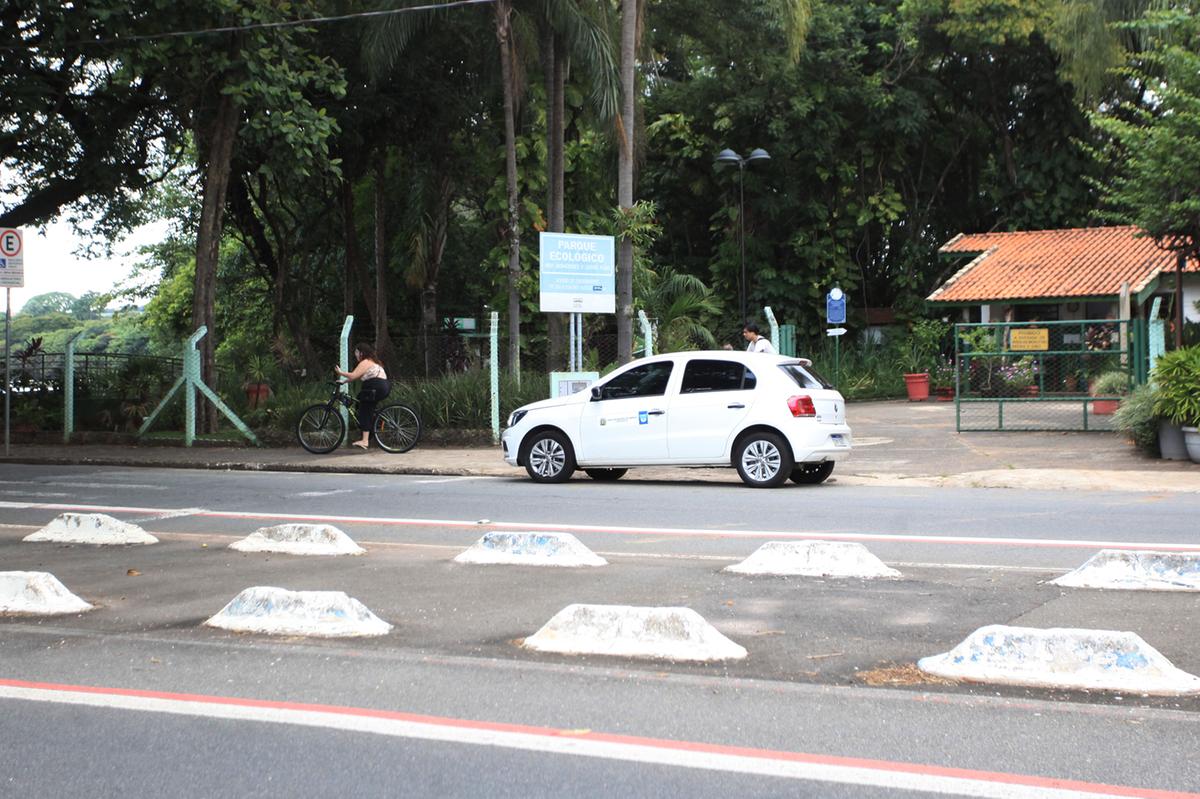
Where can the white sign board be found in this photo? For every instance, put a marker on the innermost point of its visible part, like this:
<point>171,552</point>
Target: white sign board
<point>564,384</point>
<point>578,273</point>
<point>12,258</point>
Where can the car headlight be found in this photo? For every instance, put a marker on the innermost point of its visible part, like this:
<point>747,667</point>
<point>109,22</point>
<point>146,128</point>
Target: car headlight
<point>515,417</point>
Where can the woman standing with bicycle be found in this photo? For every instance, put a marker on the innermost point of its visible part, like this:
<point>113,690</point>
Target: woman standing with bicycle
<point>375,387</point>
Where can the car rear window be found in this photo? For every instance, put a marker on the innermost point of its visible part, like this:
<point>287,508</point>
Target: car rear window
<point>805,376</point>
<point>702,375</point>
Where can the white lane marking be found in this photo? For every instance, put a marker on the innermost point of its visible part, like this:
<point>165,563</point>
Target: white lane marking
<point>683,532</point>
<point>77,484</point>
<point>457,479</point>
<point>169,514</point>
<point>680,754</point>
<point>27,493</point>
<point>324,493</point>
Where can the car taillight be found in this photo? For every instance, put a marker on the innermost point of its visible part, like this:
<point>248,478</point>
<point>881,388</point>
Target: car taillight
<point>802,405</point>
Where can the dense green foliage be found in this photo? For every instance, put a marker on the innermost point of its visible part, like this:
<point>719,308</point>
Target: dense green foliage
<point>368,175</point>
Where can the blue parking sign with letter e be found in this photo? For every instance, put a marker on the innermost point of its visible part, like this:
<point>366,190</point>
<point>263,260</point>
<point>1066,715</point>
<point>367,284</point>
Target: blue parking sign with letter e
<point>643,417</point>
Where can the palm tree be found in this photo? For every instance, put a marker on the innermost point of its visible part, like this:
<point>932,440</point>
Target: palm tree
<point>794,15</point>
<point>584,39</point>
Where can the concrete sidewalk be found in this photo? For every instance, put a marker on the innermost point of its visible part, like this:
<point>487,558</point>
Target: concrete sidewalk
<point>896,443</point>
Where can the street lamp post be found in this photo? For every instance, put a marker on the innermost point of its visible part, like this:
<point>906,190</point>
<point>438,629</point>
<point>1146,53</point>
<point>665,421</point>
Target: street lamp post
<point>728,156</point>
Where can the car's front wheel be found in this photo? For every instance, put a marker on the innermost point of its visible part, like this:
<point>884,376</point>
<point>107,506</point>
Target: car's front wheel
<point>763,460</point>
<point>606,475</point>
<point>549,457</point>
<point>812,473</point>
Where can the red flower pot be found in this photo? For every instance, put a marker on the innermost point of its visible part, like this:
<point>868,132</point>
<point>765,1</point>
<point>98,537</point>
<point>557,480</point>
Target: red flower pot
<point>918,386</point>
<point>1105,407</point>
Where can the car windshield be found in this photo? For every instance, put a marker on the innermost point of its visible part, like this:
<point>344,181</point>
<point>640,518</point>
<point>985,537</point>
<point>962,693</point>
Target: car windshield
<point>805,376</point>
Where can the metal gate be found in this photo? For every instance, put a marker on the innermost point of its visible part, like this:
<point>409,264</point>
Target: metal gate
<point>1045,375</point>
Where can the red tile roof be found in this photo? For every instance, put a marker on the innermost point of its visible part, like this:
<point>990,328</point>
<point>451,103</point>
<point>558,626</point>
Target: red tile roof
<point>1075,262</point>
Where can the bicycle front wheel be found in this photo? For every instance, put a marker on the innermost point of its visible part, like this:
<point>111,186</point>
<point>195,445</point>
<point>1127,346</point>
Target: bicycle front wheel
<point>397,428</point>
<point>320,429</point>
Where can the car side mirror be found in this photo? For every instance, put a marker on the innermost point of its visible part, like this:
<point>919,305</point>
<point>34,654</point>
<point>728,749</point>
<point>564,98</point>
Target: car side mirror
<point>596,393</point>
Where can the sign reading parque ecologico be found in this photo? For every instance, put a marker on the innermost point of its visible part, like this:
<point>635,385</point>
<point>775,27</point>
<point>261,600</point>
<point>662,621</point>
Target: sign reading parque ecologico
<point>578,273</point>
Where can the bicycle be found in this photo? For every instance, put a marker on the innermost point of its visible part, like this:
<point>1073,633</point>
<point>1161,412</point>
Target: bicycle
<point>322,429</point>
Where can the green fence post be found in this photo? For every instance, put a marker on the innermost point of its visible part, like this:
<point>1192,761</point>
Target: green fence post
<point>958,368</point>
<point>647,334</point>
<point>494,364</point>
<point>774,327</point>
<point>191,376</point>
<point>69,388</point>
<point>344,364</point>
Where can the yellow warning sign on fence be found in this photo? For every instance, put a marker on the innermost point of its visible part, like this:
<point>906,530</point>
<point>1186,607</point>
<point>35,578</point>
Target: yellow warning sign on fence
<point>1030,339</point>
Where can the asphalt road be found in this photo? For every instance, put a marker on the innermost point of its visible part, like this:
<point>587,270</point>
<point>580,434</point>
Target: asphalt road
<point>136,698</point>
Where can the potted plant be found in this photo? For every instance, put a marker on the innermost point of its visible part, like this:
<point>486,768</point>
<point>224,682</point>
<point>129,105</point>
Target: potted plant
<point>1107,389</point>
<point>919,353</point>
<point>1177,382</point>
<point>257,385</point>
<point>916,377</point>
<point>941,379</point>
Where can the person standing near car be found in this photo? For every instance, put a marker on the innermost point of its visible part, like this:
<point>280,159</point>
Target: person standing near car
<point>375,387</point>
<point>755,342</point>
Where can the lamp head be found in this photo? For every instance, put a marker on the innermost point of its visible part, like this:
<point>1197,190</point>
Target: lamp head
<point>758,154</point>
<point>728,156</point>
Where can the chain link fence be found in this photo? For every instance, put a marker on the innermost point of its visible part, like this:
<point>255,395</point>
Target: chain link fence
<point>1045,376</point>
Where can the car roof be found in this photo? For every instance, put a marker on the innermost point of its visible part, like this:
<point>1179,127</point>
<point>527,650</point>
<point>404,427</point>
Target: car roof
<point>740,356</point>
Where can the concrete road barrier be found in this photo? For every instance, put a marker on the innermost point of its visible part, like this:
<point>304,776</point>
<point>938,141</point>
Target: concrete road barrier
<point>1107,660</point>
<point>638,632</point>
<point>530,549</point>
<point>814,559</point>
<point>277,611</point>
<point>37,593</point>
<point>299,539</point>
<point>91,528</point>
<point>1127,570</point>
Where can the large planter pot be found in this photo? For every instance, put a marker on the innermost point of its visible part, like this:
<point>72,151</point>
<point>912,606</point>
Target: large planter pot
<point>918,386</point>
<point>257,394</point>
<point>1105,407</point>
<point>1191,442</point>
<point>1170,441</point>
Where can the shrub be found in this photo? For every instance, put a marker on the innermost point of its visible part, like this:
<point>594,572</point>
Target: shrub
<point>1177,379</point>
<point>1136,419</point>
<point>1114,383</point>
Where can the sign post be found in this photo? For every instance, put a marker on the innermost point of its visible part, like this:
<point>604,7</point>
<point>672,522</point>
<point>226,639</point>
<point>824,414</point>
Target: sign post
<point>835,314</point>
<point>12,275</point>
<point>577,276</point>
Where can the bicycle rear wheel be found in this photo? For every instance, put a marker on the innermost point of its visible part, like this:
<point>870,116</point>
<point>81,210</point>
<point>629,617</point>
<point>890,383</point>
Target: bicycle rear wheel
<point>320,429</point>
<point>397,428</point>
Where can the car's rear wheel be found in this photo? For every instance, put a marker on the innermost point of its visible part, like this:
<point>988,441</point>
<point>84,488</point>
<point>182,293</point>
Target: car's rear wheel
<point>812,473</point>
<point>763,460</point>
<point>605,475</point>
<point>549,457</point>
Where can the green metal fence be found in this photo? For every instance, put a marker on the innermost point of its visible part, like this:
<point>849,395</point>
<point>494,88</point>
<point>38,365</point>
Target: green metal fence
<point>1067,375</point>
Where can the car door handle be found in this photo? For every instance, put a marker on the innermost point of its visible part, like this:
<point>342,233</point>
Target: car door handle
<point>735,405</point>
<point>656,413</point>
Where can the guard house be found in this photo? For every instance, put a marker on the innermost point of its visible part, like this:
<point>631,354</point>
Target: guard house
<point>1055,275</point>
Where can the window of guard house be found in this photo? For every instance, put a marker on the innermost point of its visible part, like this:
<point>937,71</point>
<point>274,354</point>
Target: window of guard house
<point>701,376</point>
<point>649,380</point>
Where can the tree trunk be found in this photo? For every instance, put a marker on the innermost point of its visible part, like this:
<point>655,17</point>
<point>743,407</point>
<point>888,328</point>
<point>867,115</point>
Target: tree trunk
<point>208,244</point>
<point>629,14</point>
<point>504,35</point>
<point>555,69</point>
<point>356,270</point>
<point>438,233</point>
<point>383,342</point>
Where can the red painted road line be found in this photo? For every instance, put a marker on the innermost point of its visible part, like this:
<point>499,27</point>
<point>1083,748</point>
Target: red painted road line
<point>1034,543</point>
<point>1029,781</point>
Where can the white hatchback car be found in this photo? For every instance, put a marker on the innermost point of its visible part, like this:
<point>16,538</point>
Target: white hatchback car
<point>770,416</point>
